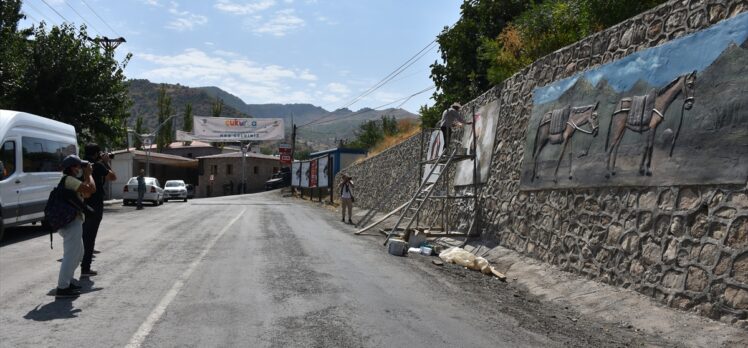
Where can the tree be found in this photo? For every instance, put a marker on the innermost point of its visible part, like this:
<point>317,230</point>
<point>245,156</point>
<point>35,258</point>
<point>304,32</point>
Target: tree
<point>164,136</point>
<point>188,121</point>
<point>217,107</point>
<point>463,75</point>
<point>369,134</point>
<point>13,50</point>
<point>65,77</point>
<point>138,130</point>
<point>389,125</point>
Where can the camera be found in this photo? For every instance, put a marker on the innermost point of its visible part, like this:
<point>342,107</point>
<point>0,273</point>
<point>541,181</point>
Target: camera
<point>102,155</point>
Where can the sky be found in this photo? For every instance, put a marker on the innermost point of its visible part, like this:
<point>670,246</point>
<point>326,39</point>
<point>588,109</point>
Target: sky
<point>659,65</point>
<point>326,53</point>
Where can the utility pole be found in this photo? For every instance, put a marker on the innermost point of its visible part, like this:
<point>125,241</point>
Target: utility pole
<point>245,148</point>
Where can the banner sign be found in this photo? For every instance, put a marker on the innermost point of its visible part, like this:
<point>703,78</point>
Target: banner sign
<point>323,172</point>
<point>238,129</point>
<point>285,153</point>
<point>305,175</point>
<point>313,173</point>
<point>296,174</point>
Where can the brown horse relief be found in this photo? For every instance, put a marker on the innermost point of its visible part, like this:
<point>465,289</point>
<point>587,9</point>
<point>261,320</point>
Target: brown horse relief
<point>667,115</point>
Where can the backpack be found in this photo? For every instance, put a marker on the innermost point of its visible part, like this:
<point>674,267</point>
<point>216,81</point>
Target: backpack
<point>60,209</point>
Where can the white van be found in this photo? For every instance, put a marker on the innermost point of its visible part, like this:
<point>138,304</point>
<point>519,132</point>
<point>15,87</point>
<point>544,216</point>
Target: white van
<point>31,150</point>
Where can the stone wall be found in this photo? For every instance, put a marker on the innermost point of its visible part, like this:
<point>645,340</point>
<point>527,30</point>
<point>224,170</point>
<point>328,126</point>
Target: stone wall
<point>391,173</point>
<point>686,246</point>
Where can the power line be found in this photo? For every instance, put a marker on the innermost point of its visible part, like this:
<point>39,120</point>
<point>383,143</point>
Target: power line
<point>394,73</point>
<point>58,13</point>
<point>39,11</point>
<point>322,121</point>
<point>84,20</point>
<point>30,16</point>
<point>101,19</point>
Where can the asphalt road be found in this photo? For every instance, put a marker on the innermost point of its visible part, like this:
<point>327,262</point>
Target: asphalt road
<point>265,271</point>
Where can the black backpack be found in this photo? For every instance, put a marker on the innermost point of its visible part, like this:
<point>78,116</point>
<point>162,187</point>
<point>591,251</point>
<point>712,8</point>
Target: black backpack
<point>61,209</point>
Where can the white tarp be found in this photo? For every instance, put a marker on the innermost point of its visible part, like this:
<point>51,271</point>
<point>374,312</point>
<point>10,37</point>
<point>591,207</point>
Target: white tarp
<point>296,174</point>
<point>323,171</point>
<point>237,129</point>
<point>305,174</point>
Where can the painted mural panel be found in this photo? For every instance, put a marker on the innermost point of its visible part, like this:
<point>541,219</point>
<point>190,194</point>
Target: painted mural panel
<point>485,120</point>
<point>675,114</point>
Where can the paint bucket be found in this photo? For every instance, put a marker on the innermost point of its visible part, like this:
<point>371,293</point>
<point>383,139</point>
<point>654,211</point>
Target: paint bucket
<point>426,251</point>
<point>397,247</point>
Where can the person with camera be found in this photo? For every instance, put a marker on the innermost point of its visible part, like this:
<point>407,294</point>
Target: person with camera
<point>346,197</point>
<point>76,178</point>
<point>101,173</point>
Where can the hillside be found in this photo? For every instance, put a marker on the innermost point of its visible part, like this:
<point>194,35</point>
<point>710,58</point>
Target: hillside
<point>338,124</point>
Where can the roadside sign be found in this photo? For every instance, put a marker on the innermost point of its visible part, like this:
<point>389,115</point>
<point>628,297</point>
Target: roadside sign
<point>285,153</point>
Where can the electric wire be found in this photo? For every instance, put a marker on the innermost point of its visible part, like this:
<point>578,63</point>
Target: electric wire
<point>101,19</point>
<point>44,17</point>
<point>322,121</point>
<point>57,12</point>
<point>84,20</point>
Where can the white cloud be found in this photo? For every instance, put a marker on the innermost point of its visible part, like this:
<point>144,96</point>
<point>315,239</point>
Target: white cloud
<point>243,8</point>
<point>253,82</point>
<point>338,88</point>
<point>306,75</point>
<point>184,20</point>
<point>152,3</point>
<point>280,24</point>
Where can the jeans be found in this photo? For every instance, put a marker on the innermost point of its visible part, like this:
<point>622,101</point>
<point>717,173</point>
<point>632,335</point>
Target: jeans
<point>140,198</point>
<point>72,251</point>
<point>90,230</point>
<point>347,203</point>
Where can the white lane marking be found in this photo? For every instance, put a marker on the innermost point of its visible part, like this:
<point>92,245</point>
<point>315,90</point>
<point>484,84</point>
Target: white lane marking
<point>145,329</point>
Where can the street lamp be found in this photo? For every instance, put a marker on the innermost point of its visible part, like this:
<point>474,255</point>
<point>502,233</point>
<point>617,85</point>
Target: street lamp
<point>147,140</point>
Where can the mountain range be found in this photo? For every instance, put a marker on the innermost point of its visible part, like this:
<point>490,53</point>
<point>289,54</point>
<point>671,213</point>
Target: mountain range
<point>333,125</point>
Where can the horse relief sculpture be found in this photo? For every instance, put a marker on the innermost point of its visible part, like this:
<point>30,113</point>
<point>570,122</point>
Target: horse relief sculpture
<point>644,113</point>
<point>558,126</point>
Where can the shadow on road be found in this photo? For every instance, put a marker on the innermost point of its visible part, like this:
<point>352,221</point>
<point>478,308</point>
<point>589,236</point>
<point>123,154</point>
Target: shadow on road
<point>22,233</point>
<point>57,309</point>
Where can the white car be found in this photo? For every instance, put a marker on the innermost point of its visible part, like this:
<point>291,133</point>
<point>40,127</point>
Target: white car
<point>153,191</point>
<point>175,189</point>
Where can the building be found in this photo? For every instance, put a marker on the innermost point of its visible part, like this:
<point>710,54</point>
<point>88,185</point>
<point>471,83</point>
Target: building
<point>342,157</point>
<point>194,150</point>
<point>127,163</point>
<point>221,175</point>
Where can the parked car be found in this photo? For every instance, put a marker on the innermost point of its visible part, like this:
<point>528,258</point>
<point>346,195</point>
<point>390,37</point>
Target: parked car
<point>279,179</point>
<point>154,193</point>
<point>31,150</point>
<point>190,191</point>
<point>175,189</point>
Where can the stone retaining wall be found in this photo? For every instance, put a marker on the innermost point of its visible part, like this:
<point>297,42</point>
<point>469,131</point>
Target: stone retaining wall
<point>686,246</point>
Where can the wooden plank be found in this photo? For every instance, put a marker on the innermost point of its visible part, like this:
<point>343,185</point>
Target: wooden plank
<point>382,219</point>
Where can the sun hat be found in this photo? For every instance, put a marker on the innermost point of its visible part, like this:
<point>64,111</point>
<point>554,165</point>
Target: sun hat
<point>73,160</point>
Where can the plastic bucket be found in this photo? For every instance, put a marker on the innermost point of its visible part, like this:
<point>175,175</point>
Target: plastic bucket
<point>426,251</point>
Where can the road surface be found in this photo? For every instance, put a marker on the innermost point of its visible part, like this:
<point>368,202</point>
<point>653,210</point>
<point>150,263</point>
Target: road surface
<point>266,271</point>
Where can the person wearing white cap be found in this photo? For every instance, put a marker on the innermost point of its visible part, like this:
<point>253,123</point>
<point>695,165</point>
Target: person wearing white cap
<point>450,117</point>
<point>76,178</point>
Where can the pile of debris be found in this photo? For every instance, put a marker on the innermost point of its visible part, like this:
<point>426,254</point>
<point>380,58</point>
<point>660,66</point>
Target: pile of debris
<point>464,258</point>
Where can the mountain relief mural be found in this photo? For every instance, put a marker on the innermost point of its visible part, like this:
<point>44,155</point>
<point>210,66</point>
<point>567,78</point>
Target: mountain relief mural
<point>675,114</point>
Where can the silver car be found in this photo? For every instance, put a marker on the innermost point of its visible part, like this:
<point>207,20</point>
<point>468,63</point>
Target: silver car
<point>153,191</point>
<point>175,189</point>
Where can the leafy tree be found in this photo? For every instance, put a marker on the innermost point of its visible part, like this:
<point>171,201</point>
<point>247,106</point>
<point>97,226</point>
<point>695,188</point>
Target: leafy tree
<point>138,130</point>
<point>389,125</point>
<point>13,50</point>
<point>188,121</point>
<point>369,134</point>
<point>164,136</point>
<point>68,78</point>
<point>463,75</point>
<point>217,107</point>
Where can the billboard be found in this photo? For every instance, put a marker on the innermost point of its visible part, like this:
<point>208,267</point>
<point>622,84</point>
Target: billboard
<point>323,166</point>
<point>305,175</point>
<point>296,174</point>
<point>313,173</point>
<point>237,129</point>
<point>485,120</point>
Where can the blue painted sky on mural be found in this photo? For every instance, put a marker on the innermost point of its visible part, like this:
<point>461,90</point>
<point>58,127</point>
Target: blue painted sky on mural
<point>659,65</point>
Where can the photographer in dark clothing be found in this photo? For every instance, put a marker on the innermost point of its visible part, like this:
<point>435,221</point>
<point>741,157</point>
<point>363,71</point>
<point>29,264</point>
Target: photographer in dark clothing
<point>101,173</point>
